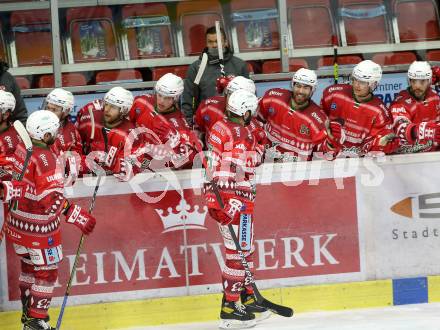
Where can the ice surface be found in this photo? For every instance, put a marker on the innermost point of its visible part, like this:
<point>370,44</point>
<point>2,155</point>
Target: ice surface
<point>407,317</point>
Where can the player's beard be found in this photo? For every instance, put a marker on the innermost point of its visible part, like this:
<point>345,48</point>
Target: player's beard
<point>51,141</point>
<point>111,121</point>
<point>301,98</point>
<point>418,93</point>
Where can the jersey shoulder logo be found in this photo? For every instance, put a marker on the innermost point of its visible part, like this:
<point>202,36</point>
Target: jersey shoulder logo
<point>304,129</point>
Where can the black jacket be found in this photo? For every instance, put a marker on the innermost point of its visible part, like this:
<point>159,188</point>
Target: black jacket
<point>8,83</point>
<point>207,87</point>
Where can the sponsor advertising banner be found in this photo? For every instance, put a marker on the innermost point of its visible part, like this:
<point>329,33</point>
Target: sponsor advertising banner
<point>401,217</point>
<point>172,247</point>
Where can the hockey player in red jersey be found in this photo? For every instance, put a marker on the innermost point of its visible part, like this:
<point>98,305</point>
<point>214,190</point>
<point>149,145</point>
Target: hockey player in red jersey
<point>105,132</point>
<point>213,108</point>
<point>367,124</point>
<point>416,112</point>
<point>234,154</point>
<point>295,126</point>
<point>9,138</point>
<point>68,143</point>
<point>170,141</point>
<point>33,224</point>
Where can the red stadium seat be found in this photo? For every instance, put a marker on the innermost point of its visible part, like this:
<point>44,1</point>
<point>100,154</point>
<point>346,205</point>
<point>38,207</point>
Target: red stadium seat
<point>433,55</point>
<point>364,21</point>
<point>23,82</point>
<point>311,23</point>
<point>342,60</point>
<point>417,20</point>
<point>118,76</point>
<point>274,66</point>
<point>178,70</point>
<point>32,36</point>
<point>148,30</point>
<point>256,25</point>
<point>394,58</point>
<point>68,80</point>
<point>92,34</point>
<point>194,18</point>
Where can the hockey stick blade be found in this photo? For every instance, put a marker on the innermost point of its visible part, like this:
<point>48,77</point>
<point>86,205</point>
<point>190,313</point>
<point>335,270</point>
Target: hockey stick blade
<point>220,48</point>
<point>219,40</point>
<point>21,130</point>
<point>277,309</point>
<point>202,68</point>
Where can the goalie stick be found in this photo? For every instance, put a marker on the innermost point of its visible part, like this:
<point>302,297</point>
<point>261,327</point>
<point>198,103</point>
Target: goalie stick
<point>78,252</point>
<point>21,130</point>
<point>274,308</point>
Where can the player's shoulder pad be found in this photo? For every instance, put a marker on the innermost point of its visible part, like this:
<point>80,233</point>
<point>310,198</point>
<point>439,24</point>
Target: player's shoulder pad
<point>337,88</point>
<point>277,92</point>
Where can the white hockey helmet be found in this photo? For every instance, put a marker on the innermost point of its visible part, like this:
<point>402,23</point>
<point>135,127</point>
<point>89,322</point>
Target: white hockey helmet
<point>242,101</point>
<point>368,71</point>
<point>169,85</point>
<point>305,77</point>
<point>7,101</point>
<point>60,97</point>
<point>121,98</point>
<point>240,82</point>
<point>41,122</point>
<point>420,70</point>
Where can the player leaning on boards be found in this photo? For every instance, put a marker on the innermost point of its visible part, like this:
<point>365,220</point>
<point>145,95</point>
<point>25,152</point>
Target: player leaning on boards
<point>169,141</point>
<point>68,144</point>
<point>8,135</point>
<point>296,126</point>
<point>416,110</point>
<point>213,108</point>
<point>367,124</point>
<point>105,132</point>
<point>33,223</point>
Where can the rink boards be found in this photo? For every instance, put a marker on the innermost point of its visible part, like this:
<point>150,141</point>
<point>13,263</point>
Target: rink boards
<point>347,234</point>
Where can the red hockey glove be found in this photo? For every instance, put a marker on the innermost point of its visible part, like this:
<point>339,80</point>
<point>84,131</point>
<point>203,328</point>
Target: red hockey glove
<point>125,170</point>
<point>222,82</point>
<point>423,132</point>
<point>387,144</point>
<point>435,75</point>
<point>12,190</point>
<point>231,210</point>
<point>336,134</point>
<point>80,218</point>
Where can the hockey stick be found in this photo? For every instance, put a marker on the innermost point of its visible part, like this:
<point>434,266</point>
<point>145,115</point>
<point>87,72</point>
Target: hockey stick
<point>21,130</point>
<point>220,48</point>
<point>78,252</point>
<point>92,120</point>
<point>202,67</point>
<point>275,308</point>
<point>335,59</point>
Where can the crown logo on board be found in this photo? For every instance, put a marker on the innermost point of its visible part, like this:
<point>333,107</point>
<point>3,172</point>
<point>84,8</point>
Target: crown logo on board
<point>183,216</point>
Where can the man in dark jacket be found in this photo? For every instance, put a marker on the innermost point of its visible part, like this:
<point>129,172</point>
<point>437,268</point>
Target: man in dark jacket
<point>207,86</point>
<point>8,84</point>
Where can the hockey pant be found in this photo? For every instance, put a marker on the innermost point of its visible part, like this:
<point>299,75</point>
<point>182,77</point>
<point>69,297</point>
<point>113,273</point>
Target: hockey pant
<point>233,273</point>
<point>39,272</point>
